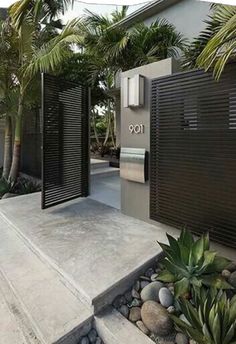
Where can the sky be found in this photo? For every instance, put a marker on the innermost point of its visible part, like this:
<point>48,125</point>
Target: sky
<point>98,7</point>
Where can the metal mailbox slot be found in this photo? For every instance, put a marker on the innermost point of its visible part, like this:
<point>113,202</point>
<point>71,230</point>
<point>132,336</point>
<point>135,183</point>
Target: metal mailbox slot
<point>133,164</point>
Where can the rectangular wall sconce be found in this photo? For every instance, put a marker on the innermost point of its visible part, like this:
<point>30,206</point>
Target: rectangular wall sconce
<point>133,91</point>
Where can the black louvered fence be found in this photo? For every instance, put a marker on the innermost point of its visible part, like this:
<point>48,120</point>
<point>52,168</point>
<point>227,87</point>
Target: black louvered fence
<point>65,148</point>
<point>193,153</point>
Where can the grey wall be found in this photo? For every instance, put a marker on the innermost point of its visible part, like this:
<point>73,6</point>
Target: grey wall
<point>135,196</point>
<point>2,123</point>
<point>187,16</point>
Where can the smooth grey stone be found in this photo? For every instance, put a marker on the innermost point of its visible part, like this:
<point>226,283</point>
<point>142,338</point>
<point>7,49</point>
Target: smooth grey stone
<point>156,318</point>
<point>84,340</point>
<point>135,294</point>
<point>136,285</point>
<point>128,296</point>
<point>92,336</point>
<point>154,277</point>
<point>98,341</point>
<point>231,267</point>
<point>165,297</point>
<point>136,303</point>
<point>119,301</point>
<point>226,273</point>
<point>144,284</point>
<point>181,338</point>
<point>149,272</point>
<point>171,309</point>
<point>151,291</point>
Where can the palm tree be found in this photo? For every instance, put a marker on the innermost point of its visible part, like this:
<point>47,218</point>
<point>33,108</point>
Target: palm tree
<point>222,46</point>
<point>33,59</point>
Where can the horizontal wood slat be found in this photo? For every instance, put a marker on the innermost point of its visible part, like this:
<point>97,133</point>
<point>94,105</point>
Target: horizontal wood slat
<point>65,167</point>
<point>193,153</point>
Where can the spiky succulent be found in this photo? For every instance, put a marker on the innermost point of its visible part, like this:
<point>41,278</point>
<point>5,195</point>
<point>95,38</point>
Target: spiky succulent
<point>212,320</point>
<point>189,263</point>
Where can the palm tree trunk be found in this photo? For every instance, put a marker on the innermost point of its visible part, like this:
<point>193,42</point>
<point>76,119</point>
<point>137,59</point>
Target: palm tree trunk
<point>15,166</point>
<point>108,124</point>
<point>94,128</point>
<point>7,148</point>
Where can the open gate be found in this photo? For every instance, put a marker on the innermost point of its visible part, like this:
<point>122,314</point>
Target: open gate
<point>193,153</point>
<point>65,140</point>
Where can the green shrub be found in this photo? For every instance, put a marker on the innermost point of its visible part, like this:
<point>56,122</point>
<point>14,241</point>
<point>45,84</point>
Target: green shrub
<point>212,321</point>
<point>189,264</point>
<point>6,186</point>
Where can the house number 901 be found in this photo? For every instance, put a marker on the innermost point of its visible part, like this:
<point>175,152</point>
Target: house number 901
<point>136,128</point>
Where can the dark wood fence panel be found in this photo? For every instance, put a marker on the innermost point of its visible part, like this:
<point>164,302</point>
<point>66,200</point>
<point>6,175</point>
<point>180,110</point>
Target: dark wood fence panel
<point>193,153</point>
<point>65,157</point>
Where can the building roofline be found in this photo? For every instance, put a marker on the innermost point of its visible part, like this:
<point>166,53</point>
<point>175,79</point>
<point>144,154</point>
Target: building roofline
<point>145,12</point>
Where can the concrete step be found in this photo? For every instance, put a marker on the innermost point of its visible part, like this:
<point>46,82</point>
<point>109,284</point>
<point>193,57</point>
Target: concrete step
<point>116,329</point>
<point>36,306</point>
<point>97,164</point>
<point>105,171</point>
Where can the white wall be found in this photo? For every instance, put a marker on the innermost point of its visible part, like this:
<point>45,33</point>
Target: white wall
<point>187,16</point>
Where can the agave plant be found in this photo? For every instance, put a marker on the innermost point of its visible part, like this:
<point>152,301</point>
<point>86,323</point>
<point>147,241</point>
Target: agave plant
<point>212,321</point>
<point>189,264</point>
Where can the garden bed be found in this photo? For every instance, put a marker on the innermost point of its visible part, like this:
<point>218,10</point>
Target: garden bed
<point>165,307</point>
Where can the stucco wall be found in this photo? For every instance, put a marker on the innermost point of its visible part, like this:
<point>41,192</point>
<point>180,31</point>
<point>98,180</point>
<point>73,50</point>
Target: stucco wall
<point>135,196</point>
<point>187,16</point>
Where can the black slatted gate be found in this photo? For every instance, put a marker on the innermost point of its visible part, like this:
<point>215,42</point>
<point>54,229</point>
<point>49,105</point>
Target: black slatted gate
<point>193,153</point>
<point>65,128</point>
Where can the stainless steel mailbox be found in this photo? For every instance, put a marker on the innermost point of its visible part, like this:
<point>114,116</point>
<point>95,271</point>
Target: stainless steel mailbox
<point>133,164</point>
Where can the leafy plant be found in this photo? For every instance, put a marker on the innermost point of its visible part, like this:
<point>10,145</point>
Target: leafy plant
<point>189,263</point>
<point>26,186</point>
<point>212,321</point>
<point>6,186</point>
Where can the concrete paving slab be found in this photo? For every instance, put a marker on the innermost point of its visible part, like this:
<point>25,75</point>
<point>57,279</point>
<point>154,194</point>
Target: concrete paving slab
<point>106,189</point>
<point>37,307</point>
<point>92,245</point>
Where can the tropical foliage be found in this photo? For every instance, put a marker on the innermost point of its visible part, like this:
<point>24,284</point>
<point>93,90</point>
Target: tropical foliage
<point>216,45</point>
<point>190,264</point>
<point>211,318</point>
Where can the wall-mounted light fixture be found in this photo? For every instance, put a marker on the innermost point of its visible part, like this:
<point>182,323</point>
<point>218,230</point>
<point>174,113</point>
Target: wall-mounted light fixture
<point>133,91</point>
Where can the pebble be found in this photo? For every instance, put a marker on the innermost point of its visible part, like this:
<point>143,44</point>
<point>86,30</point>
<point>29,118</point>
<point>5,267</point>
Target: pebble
<point>144,284</point>
<point>124,310</point>
<point>171,309</point>
<point>149,272</point>
<point>154,277</point>
<point>156,318</point>
<point>145,278</point>
<point>137,286</point>
<point>92,336</point>
<point>151,291</point>
<point>142,327</point>
<point>98,341</point>
<point>128,296</point>
<point>232,279</point>
<point>192,341</point>
<point>135,314</point>
<point>181,338</point>
<point>136,303</point>
<point>135,294</point>
<point>165,297</point>
<point>226,273</point>
<point>84,340</point>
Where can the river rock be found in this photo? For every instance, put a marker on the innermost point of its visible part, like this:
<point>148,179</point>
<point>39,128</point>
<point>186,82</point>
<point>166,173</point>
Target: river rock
<point>181,338</point>
<point>135,314</point>
<point>143,284</point>
<point>119,301</point>
<point>92,336</point>
<point>154,277</point>
<point>232,279</point>
<point>98,341</point>
<point>165,297</point>
<point>84,340</point>
<point>231,267</point>
<point>149,272</point>
<point>136,285</point>
<point>9,195</point>
<point>156,318</point>
<point>171,309</point>
<point>128,296</point>
<point>135,294</point>
<point>136,303</point>
<point>151,291</point>
<point>124,310</point>
<point>142,327</point>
